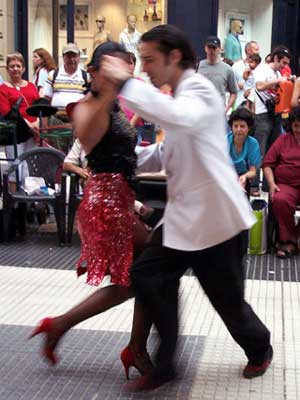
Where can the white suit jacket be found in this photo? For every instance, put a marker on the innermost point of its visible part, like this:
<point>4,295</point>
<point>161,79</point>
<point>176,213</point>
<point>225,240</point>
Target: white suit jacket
<point>206,204</point>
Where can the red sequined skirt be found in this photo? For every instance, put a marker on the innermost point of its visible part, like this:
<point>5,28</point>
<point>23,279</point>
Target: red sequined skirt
<point>105,225</point>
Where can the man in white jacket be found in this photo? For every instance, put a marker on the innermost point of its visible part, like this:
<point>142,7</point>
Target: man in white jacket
<point>206,214</point>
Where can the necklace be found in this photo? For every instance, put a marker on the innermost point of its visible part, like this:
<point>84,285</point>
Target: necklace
<point>16,86</point>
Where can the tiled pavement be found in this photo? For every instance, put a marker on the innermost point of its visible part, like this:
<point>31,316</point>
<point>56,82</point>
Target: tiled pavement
<point>37,279</point>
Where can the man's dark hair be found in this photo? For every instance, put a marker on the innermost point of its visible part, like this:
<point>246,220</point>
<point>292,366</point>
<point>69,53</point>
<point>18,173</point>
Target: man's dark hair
<point>256,58</point>
<point>280,52</point>
<point>241,113</point>
<point>169,38</point>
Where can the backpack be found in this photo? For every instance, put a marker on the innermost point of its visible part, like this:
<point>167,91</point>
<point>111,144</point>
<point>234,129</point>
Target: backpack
<point>83,72</point>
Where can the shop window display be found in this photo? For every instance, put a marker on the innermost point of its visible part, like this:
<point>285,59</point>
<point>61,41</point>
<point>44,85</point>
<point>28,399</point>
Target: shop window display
<point>95,21</point>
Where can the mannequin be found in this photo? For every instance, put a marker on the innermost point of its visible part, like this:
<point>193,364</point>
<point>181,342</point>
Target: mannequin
<point>102,35</point>
<point>233,48</point>
<point>130,37</point>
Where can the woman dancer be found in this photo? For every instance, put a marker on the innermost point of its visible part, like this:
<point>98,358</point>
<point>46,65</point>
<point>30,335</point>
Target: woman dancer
<point>106,216</point>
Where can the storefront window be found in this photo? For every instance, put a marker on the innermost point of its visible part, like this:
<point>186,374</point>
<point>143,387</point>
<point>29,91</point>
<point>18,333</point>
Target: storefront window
<point>39,29</point>
<point>254,16</point>
<point>95,21</point>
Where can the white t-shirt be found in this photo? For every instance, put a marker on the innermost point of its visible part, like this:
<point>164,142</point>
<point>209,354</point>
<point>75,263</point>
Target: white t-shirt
<point>76,155</point>
<point>264,73</point>
<point>40,78</point>
<point>66,89</point>
<point>238,69</point>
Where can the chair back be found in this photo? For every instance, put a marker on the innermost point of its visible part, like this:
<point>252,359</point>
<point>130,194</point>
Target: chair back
<point>41,162</point>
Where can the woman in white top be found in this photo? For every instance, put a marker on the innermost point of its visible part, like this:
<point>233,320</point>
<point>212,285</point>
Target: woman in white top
<point>43,63</point>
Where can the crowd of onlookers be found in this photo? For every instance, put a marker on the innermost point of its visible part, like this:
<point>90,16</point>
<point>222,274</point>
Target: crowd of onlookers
<point>252,90</point>
<point>249,87</point>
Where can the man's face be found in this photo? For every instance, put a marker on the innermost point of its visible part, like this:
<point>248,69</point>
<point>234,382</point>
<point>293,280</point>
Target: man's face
<point>131,22</point>
<point>71,60</point>
<point>159,67</point>
<point>212,52</point>
<point>253,49</point>
<point>278,64</point>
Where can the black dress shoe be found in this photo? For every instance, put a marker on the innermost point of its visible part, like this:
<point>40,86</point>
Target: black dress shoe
<point>253,370</point>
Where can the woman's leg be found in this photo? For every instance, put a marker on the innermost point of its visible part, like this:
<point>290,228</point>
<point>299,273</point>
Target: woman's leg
<point>284,206</point>
<point>100,301</point>
<point>141,325</point>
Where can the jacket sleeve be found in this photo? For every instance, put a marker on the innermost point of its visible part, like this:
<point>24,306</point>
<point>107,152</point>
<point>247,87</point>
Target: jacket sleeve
<point>188,110</point>
<point>5,105</point>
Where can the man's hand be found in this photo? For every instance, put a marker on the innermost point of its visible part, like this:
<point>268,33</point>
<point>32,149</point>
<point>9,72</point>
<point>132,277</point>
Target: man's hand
<point>115,70</point>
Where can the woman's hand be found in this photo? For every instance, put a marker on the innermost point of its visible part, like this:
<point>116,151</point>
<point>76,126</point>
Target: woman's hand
<point>34,126</point>
<point>272,189</point>
<point>243,180</point>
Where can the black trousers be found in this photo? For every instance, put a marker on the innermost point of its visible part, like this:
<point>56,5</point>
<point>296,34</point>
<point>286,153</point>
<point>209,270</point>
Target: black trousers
<point>219,269</point>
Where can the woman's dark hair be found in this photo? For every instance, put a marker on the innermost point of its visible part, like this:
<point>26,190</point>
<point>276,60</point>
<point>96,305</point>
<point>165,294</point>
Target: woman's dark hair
<point>169,38</point>
<point>130,58</point>
<point>107,48</point>
<point>241,113</point>
<point>293,116</point>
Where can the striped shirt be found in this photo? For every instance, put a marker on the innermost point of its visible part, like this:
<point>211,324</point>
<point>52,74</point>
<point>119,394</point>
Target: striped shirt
<point>66,88</point>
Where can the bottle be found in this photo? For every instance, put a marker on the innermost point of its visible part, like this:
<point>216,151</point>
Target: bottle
<point>154,15</point>
<point>146,17</point>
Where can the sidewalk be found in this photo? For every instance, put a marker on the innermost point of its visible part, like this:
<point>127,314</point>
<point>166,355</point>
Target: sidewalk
<point>210,363</point>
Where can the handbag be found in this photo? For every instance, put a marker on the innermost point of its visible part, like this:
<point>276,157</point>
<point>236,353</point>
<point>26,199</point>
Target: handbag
<point>269,103</point>
<point>23,131</point>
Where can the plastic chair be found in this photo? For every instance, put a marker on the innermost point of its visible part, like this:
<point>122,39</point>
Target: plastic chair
<point>45,163</point>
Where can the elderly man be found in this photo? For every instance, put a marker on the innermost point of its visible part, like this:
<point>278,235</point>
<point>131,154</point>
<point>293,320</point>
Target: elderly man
<point>239,68</point>
<point>66,85</point>
<point>219,73</point>
<point>199,231</point>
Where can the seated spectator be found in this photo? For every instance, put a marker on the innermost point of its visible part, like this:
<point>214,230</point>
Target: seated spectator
<point>243,149</point>
<point>17,90</point>
<point>76,162</point>
<point>282,171</point>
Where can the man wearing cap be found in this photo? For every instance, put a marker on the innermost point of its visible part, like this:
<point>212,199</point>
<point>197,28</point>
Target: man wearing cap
<point>219,73</point>
<point>66,85</point>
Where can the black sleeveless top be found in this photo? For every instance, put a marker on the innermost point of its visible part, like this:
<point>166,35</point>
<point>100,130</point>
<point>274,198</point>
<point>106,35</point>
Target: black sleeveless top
<point>115,152</point>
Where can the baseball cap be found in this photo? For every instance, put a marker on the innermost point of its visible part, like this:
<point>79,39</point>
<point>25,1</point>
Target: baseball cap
<point>70,48</point>
<point>213,41</point>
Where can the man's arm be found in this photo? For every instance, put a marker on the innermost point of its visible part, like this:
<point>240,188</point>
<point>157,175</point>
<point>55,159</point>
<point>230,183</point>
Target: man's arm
<point>231,102</point>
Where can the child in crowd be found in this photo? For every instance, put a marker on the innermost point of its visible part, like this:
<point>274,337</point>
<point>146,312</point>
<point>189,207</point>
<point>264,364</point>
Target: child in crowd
<point>249,87</point>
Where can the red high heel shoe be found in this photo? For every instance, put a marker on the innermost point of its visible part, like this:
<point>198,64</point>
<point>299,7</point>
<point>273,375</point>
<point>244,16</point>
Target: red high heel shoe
<point>141,361</point>
<point>46,326</point>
